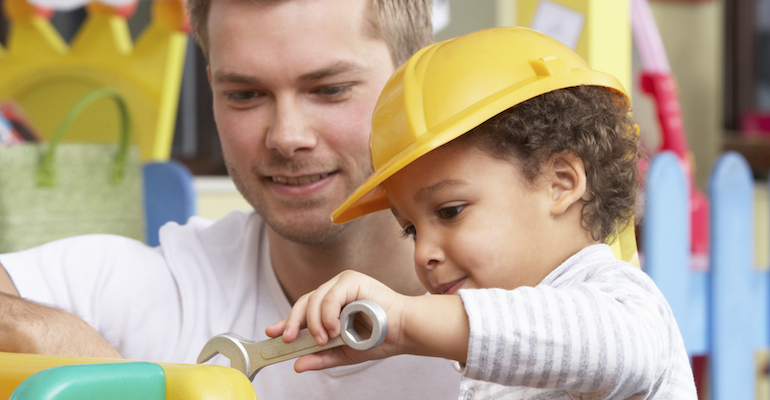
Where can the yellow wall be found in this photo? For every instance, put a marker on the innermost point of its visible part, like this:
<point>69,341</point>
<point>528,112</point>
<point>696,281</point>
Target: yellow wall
<point>217,196</point>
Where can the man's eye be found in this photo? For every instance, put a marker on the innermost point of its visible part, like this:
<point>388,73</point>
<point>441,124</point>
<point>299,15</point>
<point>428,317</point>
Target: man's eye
<point>450,212</point>
<point>332,91</point>
<point>410,231</point>
<point>242,95</point>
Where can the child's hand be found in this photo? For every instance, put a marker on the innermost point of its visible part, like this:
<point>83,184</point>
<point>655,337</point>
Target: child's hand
<point>320,310</point>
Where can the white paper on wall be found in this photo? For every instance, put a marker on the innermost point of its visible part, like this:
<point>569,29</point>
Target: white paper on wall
<point>440,15</point>
<point>559,22</point>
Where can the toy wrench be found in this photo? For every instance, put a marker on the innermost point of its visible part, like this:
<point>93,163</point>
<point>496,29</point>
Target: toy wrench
<point>249,357</point>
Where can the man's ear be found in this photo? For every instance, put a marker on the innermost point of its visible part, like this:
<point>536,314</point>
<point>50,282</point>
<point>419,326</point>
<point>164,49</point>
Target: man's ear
<point>567,177</point>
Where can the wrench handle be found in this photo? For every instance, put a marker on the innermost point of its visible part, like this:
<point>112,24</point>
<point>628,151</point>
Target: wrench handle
<point>275,350</point>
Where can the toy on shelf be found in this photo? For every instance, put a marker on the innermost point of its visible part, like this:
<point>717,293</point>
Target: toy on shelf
<point>45,76</point>
<point>658,81</point>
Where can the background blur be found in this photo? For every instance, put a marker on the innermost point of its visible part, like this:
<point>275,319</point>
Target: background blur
<point>719,51</point>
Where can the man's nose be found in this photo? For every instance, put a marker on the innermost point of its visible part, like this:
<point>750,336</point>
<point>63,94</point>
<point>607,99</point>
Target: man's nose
<point>428,253</point>
<point>291,128</point>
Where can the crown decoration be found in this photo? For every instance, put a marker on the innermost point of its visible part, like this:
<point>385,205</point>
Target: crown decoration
<point>46,76</point>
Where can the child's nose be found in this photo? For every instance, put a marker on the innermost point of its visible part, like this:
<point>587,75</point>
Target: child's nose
<point>427,254</point>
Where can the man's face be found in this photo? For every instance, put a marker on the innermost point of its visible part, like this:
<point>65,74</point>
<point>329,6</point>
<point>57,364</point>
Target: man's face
<point>295,84</point>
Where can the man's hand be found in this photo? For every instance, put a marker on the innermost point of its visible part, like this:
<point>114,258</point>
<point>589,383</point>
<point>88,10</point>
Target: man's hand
<point>27,327</point>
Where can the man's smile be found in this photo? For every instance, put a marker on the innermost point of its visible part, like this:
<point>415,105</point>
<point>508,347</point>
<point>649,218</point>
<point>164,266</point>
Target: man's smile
<point>300,180</point>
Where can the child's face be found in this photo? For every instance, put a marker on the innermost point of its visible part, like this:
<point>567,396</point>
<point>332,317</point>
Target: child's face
<point>477,222</point>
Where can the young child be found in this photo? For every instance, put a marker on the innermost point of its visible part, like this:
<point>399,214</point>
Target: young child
<point>509,162</point>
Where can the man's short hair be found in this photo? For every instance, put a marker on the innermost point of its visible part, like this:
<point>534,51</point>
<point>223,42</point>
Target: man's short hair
<point>405,25</point>
<point>591,122</point>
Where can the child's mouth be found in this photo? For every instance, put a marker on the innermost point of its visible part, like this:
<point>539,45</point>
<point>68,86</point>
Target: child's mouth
<point>451,287</point>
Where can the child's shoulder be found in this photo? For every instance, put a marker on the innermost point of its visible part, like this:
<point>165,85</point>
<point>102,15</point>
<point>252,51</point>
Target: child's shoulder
<point>596,263</point>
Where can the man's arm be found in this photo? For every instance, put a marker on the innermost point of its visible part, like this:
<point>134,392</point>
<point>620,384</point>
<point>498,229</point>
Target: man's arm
<point>27,327</point>
<point>6,284</point>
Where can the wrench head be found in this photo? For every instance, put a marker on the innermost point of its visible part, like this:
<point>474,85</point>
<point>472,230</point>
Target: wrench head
<point>231,346</point>
<point>379,325</point>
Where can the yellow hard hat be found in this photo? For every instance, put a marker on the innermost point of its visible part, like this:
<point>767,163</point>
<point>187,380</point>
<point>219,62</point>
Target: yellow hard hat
<point>448,88</point>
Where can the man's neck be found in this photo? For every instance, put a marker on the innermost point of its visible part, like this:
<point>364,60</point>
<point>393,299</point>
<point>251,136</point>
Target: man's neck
<point>372,246</point>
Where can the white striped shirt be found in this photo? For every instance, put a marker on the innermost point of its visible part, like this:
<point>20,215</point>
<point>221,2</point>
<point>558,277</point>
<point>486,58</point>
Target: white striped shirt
<point>594,328</point>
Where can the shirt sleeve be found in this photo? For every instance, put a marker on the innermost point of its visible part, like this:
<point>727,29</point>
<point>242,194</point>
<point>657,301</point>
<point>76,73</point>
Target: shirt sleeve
<point>119,286</point>
<point>610,335</point>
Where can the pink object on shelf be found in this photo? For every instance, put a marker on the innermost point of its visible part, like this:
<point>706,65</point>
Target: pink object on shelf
<point>755,124</point>
<point>658,81</point>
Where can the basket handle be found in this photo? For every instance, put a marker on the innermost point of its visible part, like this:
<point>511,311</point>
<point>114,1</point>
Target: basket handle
<point>46,174</point>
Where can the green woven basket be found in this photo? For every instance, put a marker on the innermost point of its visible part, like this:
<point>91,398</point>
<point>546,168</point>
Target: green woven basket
<point>54,190</point>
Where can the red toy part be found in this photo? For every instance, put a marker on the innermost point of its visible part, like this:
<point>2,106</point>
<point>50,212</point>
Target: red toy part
<point>663,89</point>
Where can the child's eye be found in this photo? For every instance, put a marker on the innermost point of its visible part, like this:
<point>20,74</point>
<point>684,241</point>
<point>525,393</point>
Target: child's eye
<point>450,212</point>
<point>410,231</point>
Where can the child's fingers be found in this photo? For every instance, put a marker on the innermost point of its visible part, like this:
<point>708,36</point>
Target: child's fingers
<point>296,319</point>
<point>326,359</point>
<point>315,320</point>
<point>275,329</point>
<point>350,286</point>
<point>342,293</point>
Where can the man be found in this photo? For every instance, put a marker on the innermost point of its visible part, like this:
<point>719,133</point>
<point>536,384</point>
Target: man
<point>294,84</point>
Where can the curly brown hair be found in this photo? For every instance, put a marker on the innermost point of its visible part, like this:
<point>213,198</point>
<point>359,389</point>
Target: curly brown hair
<point>590,121</point>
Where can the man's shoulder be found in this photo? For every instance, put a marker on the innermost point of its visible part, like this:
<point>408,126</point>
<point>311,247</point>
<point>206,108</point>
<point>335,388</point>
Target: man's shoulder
<point>207,231</point>
<point>217,246</point>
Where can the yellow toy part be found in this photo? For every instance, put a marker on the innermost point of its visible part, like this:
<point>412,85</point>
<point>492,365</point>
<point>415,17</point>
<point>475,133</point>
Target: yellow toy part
<point>450,87</point>
<point>624,245</point>
<point>182,381</point>
<point>46,76</point>
<point>602,27</point>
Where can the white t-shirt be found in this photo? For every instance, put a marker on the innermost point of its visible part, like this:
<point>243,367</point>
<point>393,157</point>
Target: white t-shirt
<point>206,278</point>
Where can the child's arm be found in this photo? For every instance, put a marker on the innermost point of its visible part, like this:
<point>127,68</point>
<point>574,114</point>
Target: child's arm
<point>421,325</point>
<point>610,336</point>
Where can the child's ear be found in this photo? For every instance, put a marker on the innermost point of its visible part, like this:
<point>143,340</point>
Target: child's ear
<point>567,181</point>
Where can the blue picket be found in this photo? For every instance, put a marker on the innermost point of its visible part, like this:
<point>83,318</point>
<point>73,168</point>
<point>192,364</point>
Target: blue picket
<point>666,249</point>
<point>723,312</point>
<point>735,285</point>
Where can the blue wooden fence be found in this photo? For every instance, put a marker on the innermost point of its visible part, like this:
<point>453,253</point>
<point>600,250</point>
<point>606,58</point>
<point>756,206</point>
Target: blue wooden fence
<point>722,312</point>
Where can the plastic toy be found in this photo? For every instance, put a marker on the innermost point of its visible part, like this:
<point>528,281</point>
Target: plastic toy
<point>63,378</point>
<point>46,76</point>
